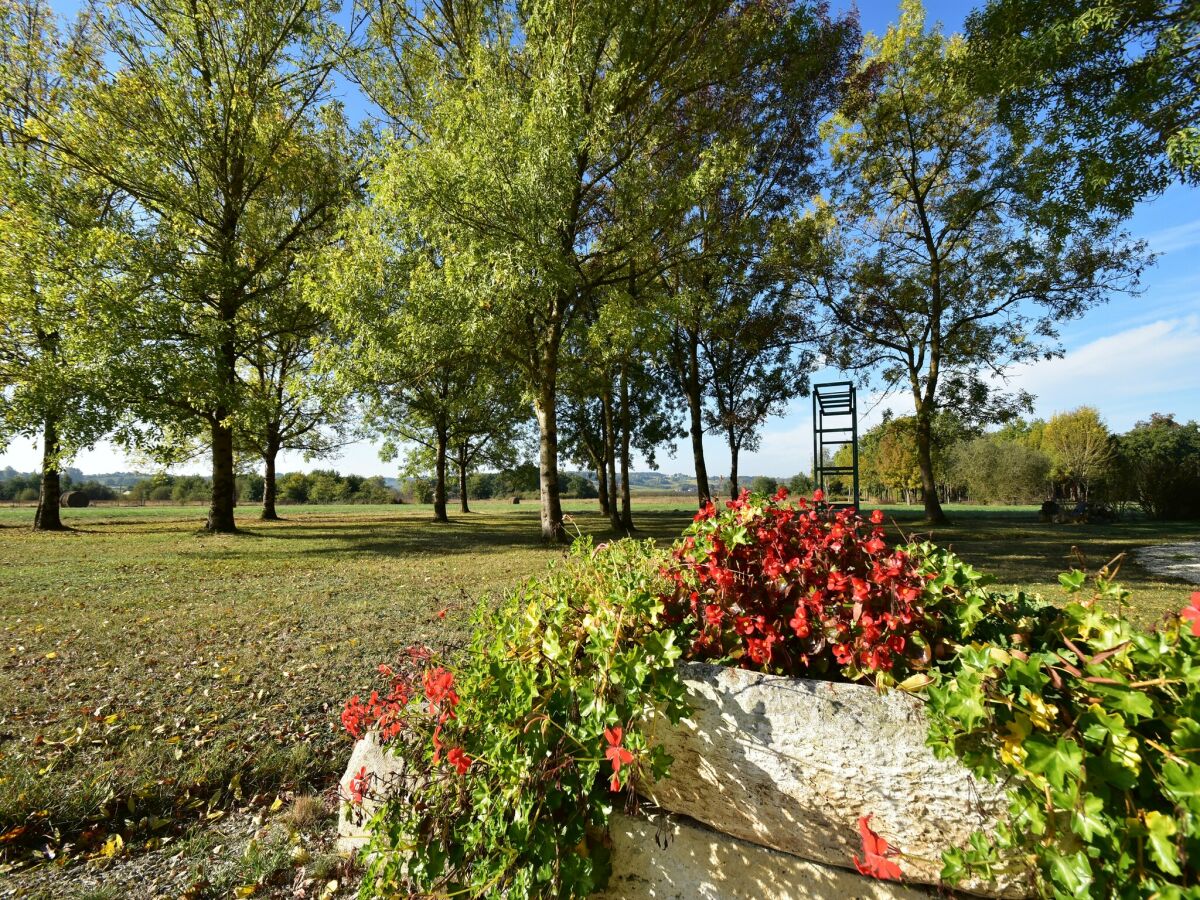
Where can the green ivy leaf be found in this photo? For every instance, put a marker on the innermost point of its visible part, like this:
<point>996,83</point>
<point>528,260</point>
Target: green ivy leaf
<point>1161,831</point>
<point>1056,761</point>
<point>1088,820</point>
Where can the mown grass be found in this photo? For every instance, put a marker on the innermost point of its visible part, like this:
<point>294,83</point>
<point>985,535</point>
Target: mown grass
<point>151,675</point>
<point>1011,544</point>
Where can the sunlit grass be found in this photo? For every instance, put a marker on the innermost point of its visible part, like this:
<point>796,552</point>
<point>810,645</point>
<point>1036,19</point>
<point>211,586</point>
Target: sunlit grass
<point>152,673</point>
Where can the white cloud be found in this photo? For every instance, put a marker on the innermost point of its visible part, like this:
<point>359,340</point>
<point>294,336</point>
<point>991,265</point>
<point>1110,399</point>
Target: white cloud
<point>1128,375</point>
<point>1174,237</point>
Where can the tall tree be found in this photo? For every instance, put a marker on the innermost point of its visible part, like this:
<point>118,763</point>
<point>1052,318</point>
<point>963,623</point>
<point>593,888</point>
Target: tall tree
<point>60,234</point>
<point>1109,87</point>
<point>768,115</point>
<point>293,400</point>
<point>217,120</point>
<point>934,268</point>
<point>1080,448</point>
<point>519,130</point>
<point>753,365</point>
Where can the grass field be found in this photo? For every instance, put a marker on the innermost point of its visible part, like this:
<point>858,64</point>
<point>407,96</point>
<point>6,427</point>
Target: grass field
<point>152,675</point>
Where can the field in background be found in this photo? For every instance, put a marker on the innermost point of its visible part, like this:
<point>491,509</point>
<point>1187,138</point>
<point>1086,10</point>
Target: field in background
<point>157,675</point>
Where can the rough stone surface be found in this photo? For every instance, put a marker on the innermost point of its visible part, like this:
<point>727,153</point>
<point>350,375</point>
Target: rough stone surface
<point>674,859</point>
<point>1173,560</point>
<point>792,764</point>
<point>385,772</point>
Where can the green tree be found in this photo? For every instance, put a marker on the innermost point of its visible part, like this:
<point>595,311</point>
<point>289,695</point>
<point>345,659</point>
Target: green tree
<point>934,269</point>
<point>767,116</point>
<point>1106,88</point>
<point>60,234</point>
<point>1162,458</point>
<point>1080,448</point>
<point>294,399</point>
<point>524,154</point>
<point>996,469</point>
<point>217,121</point>
<point>753,367</point>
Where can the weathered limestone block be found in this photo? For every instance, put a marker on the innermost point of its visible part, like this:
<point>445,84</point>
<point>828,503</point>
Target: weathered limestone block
<point>792,764</point>
<point>674,859</point>
<point>385,776</point>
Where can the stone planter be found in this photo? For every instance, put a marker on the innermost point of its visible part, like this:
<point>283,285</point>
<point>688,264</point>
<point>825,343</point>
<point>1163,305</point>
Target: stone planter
<point>672,858</point>
<point>775,772</point>
<point>791,764</point>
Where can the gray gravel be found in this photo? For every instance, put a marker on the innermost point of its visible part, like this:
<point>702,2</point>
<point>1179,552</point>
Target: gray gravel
<point>1172,560</point>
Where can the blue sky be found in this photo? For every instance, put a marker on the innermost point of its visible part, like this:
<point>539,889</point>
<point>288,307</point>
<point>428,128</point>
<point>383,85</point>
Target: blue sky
<point>1129,358</point>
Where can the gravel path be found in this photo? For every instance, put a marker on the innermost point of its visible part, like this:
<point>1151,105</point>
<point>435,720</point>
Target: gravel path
<point>1172,560</point>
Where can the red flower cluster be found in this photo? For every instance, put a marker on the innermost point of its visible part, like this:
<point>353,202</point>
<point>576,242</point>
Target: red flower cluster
<point>388,714</point>
<point>787,588</point>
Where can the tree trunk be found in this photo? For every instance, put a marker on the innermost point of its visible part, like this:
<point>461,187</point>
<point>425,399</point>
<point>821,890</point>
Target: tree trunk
<point>602,484</point>
<point>626,428</point>
<point>224,485</point>
<point>933,508</point>
<point>48,516</point>
<point>610,458</point>
<point>547,419</point>
<point>733,467</point>
<point>269,490</point>
<point>439,487</point>
<point>462,480</point>
<point>695,399</point>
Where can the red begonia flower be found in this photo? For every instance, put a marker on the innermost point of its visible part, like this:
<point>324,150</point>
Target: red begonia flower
<point>1192,614</point>
<point>459,760</point>
<point>875,852</point>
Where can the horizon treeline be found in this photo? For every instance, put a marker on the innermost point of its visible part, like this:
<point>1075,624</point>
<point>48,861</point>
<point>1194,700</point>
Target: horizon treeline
<point>558,234</point>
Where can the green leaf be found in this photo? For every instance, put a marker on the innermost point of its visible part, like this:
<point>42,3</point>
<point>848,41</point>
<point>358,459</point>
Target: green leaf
<point>1088,821</point>
<point>1056,761</point>
<point>1161,831</point>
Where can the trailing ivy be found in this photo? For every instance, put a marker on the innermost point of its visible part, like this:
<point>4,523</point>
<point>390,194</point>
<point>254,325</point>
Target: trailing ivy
<point>1095,724</point>
<point>517,759</point>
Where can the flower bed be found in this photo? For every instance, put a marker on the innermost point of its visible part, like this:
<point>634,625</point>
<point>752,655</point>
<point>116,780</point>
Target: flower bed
<point>569,701</point>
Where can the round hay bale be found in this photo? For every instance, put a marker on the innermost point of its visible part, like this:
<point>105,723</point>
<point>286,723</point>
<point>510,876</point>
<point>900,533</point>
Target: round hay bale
<point>74,500</point>
<point>516,501</point>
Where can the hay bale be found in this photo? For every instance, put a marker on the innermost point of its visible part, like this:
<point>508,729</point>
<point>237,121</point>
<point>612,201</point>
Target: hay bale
<point>74,500</point>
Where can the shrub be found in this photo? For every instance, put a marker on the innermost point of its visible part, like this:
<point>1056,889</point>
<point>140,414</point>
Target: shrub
<point>790,589</point>
<point>516,756</point>
<point>1096,724</point>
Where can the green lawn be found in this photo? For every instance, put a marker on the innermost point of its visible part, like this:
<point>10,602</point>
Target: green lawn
<point>1011,544</point>
<point>152,674</point>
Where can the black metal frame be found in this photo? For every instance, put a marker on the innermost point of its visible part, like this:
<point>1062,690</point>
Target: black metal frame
<point>832,403</point>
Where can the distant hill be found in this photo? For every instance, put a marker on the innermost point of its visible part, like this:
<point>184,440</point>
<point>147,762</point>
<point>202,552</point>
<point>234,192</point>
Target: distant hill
<point>115,480</point>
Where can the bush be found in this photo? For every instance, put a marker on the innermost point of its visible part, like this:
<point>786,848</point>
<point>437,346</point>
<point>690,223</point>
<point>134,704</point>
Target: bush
<point>1000,471</point>
<point>1096,724</point>
<point>761,484</point>
<point>515,756</point>
<point>1162,462</point>
<point>579,486</point>
<point>792,590</point>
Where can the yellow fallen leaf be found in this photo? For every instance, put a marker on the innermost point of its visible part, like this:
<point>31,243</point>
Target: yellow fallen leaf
<point>51,655</point>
